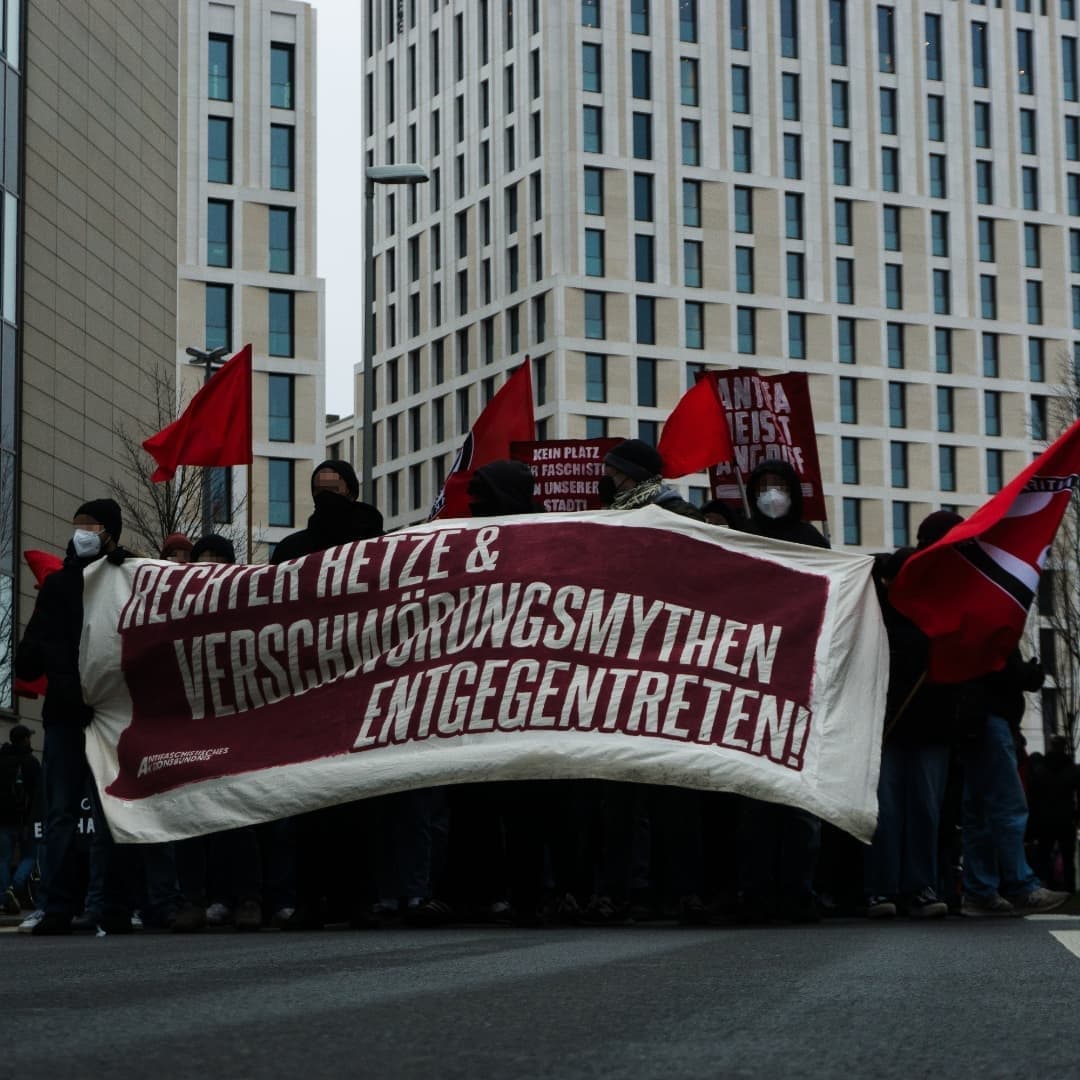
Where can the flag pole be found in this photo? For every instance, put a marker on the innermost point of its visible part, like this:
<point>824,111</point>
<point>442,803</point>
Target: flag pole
<point>742,488</point>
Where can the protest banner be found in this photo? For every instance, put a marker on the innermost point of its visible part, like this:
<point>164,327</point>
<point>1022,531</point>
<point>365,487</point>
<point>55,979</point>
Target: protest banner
<point>567,471</point>
<point>769,416</point>
<point>638,645</point>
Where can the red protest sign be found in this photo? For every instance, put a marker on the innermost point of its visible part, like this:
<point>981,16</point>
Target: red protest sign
<point>567,471</point>
<point>769,416</point>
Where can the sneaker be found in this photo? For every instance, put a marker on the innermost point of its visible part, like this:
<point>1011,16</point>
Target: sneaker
<point>1038,901</point>
<point>249,915</point>
<point>880,907</point>
<point>218,914</point>
<point>11,905</point>
<point>51,923</point>
<point>431,913</point>
<point>31,920</point>
<point>86,923</point>
<point>927,906</point>
<point>692,912</point>
<point>282,915</point>
<point>977,907</point>
<point>188,920</point>
<point>603,911</point>
<point>137,921</point>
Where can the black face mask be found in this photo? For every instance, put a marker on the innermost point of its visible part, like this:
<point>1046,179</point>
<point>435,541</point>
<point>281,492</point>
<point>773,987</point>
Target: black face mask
<point>607,490</point>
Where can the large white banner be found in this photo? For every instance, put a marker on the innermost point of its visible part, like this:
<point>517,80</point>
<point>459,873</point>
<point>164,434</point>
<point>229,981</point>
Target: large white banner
<point>631,646</point>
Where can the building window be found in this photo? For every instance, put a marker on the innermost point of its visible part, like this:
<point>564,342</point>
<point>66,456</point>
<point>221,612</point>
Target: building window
<point>898,465</point>
<point>793,216</point>
<point>991,368</point>
<point>744,210</point>
<point>980,54</point>
<point>694,324</point>
<point>595,315</point>
<point>939,181</point>
<point>849,460</point>
<point>942,293</point>
<point>838,33</point>
<point>282,76</point>
<point>740,88</point>
<point>281,408</point>
<point>1033,290</point>
<point>689,94</point>
<point>984,183</point>
<point>643,136</point>
<point>887,110</point>
<point>932,24</point>
<point>742,159</point>
<point>849,405</point>
<point>281,157</point>
<point>793,157</point>
<point>644,258</point>
<point>894,344</point>
<point>218,329</point>
<point>840,114</point>
<point>1038,418</point>
<point>746,324</point>
<point>1073,193</point>
<point>281,323</point>
<point>897,405</point>
<point>594,252</point>
<point>890,168</point>
<point>988,296</point>
<point>691,203</point>
<point>796,276</point>
<point>219,85</point>
<point>646,383</point>
<point>947,468</point>
<point>890,219</point>
<point>845,281</point>
<point>740,25</point>
<point>590,12</point>
<point>1025,62</point>
<point>789,93</point>
<point>994,481</point>
<point>280,492</point>
<point>219,150</point>
<point>744,269</point>
<point>894,286</point>
<point>886,40</point>
<point>935,118</point>
<point>943,350</point>
<point>796,323</point>
<point>593,129</point>
<point>939,233</point>
<point>281,240</point>
<point>852,521</point>
<point>692,272</point>
<point>1036,360</point>
<point>841,162</point>
<point>1032,247</point>
<point>842,213</point>
<point>789,28</point>
<point>945,418</point>
<point>845,341</point>
<point>590,67</point>
<point>691,142</point>
<point>1029,177</point>
<point>596,427</point>
<point>643,197</point>
<point>594,191</point>
<point>1068,68</point>
<point>983,138</point>
<point>595,377</point>
<point>218,233</point>
<point>986,240</point>
<point>645,319</point>
<point>639,16</point>
<point>1028,132</point>
<point>688,20</point>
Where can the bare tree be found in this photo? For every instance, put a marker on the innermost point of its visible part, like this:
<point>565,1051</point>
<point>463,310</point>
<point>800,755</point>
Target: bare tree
<point>153,511</point>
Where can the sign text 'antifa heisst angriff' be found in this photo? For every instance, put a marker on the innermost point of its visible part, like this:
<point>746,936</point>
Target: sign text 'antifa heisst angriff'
<point>479,657</point>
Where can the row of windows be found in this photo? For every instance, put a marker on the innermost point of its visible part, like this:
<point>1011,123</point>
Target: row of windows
<point>900,513</point>
<point>218,331</point>
<point>282,72</point>
<point>220,153</point>
<point>281,240</point>
<point>898,466</point>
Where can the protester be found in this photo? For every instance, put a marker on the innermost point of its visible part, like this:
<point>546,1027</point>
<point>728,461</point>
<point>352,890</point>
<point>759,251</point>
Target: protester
<point>213,548</point>
<point>334,846</point>
<point>778,845</point>
<point>1053,788</point>
<point>632,478</point>
<point>902,862</point>
<point>176,548</point>
<point>50,647</point>
<point>717,512</point>
<point>20,776</point>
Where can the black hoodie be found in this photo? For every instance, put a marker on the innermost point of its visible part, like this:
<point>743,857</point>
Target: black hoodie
<point>502,487</point>
<point>791,526</point>
<point>336,520</point>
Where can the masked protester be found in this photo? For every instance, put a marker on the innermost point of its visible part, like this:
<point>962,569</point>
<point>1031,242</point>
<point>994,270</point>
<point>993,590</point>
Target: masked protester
<point>775,496</point>
<point>632,478</point>
<point>502,487</point>
<point>333,876</point>
<point>50,647</point>
<point>176,547</point>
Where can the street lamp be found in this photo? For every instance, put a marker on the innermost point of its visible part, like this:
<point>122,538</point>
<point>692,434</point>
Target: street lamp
<point>209,358</point>
<point>375,174</point>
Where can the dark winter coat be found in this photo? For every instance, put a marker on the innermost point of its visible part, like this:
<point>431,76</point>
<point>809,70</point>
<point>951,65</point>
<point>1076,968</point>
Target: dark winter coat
<point>502,487</point>
<point>336,520</point>
<point>20,775</point>
<point>791,526</point>
<point>1053,786</point>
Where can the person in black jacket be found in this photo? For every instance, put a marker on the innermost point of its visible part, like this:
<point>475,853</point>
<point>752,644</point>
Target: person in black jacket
<point>778,845</point>
<point>632,478</point>
<point>20,775</point>
<point>333,877</point>
<point>338,518</point>
<point>50,647</point>
<point>1053,786</point>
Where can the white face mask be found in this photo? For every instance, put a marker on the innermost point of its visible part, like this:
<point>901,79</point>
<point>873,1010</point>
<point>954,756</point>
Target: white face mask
<point>86,543</point>
<point>774,503</point>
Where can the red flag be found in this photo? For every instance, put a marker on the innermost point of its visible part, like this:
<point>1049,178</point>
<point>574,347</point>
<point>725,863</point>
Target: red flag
<point>971,591</point>
<point>215,428</point>
<point>42,564</point>
<point>507,418</point>
<point>696,433</point>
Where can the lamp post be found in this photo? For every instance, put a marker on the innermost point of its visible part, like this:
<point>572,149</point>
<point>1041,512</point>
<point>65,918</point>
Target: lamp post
<point>209,358</point>
<point>375,174</point>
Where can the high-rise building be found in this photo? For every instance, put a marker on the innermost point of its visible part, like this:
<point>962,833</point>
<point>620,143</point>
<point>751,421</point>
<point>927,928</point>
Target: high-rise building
<point>247,241</point>
<point>883,195</point>
<point>88,279</point>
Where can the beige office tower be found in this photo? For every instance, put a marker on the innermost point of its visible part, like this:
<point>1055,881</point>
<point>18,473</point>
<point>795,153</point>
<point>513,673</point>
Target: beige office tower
<point>88,301</point>
<point>246,244</point>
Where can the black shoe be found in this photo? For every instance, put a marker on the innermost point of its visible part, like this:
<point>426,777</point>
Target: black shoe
<point>116,921</point>
<point>53,924</point>
<point>248,916</point>
<point>86,923</point>
<point>603,911</point>
<point>431,913</point>
<point>692,912</point>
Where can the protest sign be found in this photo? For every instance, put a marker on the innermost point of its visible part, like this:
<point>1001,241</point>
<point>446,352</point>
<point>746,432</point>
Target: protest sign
<point>567,471</point>
<point>769,416</point>
<point>636,645</point>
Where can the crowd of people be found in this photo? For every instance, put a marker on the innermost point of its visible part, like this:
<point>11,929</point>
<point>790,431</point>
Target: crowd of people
<point>954,834</point>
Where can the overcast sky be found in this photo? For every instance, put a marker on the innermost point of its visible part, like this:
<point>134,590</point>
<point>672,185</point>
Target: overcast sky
<point>340,194</point>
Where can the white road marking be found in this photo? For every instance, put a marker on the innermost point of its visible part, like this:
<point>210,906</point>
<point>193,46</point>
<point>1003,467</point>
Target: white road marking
<point>1051,918</point>
<point>1069,938</point>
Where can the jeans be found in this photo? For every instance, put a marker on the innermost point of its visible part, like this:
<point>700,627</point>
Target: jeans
<point>9,841</point>
<point>65,771</point>
<point>911,788</point>
<point>995,816</point>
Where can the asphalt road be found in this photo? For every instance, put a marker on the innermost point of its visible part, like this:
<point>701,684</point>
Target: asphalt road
<point>852,999</point>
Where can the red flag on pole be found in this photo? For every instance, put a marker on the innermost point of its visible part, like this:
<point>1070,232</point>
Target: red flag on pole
<point>42,564</point>
<point>215,428</point>
<point>696,434</point>
<point>507,418</point>
<point>970,592</point>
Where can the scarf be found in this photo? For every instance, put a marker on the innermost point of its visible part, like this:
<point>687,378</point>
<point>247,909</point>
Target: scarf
<point>640,495</point>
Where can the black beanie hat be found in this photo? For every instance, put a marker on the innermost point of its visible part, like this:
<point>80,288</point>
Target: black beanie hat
<point>635,458</point>
<point>344,470</point>
<point>935,526</point>
<point>219,545</point>
<point>105,512</point>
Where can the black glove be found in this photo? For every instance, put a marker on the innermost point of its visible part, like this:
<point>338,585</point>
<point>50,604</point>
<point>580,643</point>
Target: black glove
<point>118,556</point>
